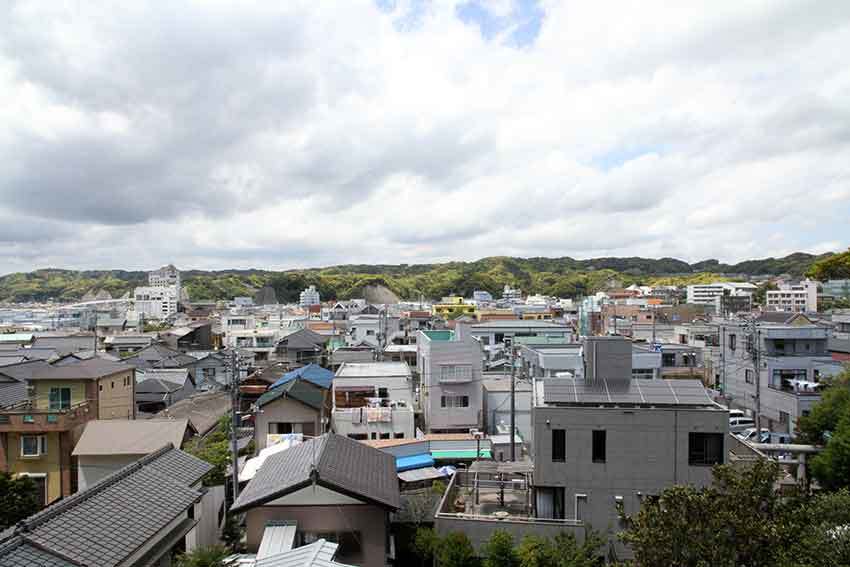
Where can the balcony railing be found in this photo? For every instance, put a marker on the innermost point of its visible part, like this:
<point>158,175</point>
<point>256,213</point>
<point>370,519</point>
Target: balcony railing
<point>27,418</point>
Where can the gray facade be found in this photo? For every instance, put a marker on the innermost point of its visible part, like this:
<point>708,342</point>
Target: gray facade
<point>285,415</point>
<point>450,372</point>
<point>591,459</point>
<point>792,359</point>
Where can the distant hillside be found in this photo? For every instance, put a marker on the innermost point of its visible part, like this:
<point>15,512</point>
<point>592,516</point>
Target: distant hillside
<point>563,277</point>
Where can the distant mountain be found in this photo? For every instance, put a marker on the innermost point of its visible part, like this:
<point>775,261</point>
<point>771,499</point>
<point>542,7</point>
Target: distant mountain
<point>563,277</point>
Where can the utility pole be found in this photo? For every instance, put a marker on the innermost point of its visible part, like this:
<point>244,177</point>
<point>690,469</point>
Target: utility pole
<point>652,310</point>
<point>755,337</point>
<point>513,402</point>
<point>234,415</point>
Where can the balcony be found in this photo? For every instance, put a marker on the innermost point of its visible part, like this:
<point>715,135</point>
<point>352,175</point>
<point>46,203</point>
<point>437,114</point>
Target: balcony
<point>26,419</point>
<point>495,496</point>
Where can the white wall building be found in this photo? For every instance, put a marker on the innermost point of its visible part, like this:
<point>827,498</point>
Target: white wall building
<point>373,400</point>
<point>309,296</point>
<point>705,294</point>
<point>156,302</point>
<point>795,298</point>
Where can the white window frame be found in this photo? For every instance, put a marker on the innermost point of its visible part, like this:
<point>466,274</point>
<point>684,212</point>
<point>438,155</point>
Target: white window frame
<point>40,444</point>
<point>453,372</point>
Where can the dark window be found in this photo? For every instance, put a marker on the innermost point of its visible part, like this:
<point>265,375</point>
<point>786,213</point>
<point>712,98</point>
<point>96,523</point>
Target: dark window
<point>385,435</point>
<point>668,359</point>
<point>599,446</point>
<point>705,449</point>
<point>374,435</point>
<point>383,393</point>
<point>358,436</point>
<point>60,398</point>
<point>732,342</point>
<point>559,445</point>
<point>399,435</point>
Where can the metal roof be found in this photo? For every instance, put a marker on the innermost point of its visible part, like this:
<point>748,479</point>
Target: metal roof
<point>373,370</point>
<point>571,391</point>
<point>314,373</point>
<point>333,461</point>
<point>113,519</point>
<point>277,538</point>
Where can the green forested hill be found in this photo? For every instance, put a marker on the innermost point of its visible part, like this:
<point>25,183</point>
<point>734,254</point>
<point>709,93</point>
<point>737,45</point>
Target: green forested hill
<point>564,277</point>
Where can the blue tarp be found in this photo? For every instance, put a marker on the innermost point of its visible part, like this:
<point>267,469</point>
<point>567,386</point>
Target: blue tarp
<point>413,462</point>
<point>321,377</point>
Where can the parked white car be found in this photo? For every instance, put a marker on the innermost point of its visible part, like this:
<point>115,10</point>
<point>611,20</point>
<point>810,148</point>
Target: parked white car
<point>749,434</point>
<point>738,424</point>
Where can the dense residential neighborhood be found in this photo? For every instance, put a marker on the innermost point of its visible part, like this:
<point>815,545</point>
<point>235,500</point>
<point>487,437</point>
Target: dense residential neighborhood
<point>424,283</point>
<point>354,426</point>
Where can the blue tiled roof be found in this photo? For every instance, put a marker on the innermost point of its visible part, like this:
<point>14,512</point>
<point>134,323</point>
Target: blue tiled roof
<point>314,373</point>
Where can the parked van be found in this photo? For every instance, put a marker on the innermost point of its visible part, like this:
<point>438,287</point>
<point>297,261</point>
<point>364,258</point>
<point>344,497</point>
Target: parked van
<point>749,434</point>
<point>738,424</point>
<point>736,413</point>
<point>777,438</point>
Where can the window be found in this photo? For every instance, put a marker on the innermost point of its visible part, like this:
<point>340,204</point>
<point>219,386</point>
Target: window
<point>599,446</point>
<point>559,445</point>
<point>100,387</point>
<point>668,359</point>
<point>208,373</point>
<point>705,449</point>
<point>456,373</point>
<point>33,445</point>
<point>385,435</point>
<point>733,342</point>
<point>748,376</point>
<point>383,393</point>
<point>113,384</point>
<point>399,435</point>
<point>60,398</point>
<point>358,436</point>
<point>374,435</point>
<point>643,373</point>
<point>454,401</point>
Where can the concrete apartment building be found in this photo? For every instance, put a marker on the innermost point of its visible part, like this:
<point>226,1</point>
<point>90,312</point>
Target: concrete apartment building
<point>795,298</point>
<point>373,401</point>
<point>610,441</point>
<point>450,364</point>
<point>775,368</point>
<point>159,299</point>
<point>706,294</point>
<point>495,332</point>
<point>308,297</point>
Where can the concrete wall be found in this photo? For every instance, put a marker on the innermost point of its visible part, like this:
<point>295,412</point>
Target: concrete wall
<point>498,408</point>
<point>283,410</point>
<point>116,395</point>
<point>479,530</point>
<point>93,468</point>
<point>369,521</point>
<point>206,532</point>
<point>432,356</point>
<point>646,451</point>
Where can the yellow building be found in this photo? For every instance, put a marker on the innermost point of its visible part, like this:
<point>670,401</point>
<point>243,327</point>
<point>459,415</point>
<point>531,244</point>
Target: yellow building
<point>451,307</point>
<point>46,407</point>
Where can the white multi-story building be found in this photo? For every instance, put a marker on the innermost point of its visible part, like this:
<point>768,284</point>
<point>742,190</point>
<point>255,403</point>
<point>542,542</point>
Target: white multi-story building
<point>309,296</point>
<point>511,294</point>
<point>159,299</point>
<point>156,302</point>
<point>706,294</point>
<point>795,298</point>
<point>373,400</point>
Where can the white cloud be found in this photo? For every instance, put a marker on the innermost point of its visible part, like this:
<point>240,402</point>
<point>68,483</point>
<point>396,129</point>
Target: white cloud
<point>218,134</point>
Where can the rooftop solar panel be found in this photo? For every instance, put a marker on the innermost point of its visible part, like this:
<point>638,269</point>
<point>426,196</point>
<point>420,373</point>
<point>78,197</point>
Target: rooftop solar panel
<point>633,392</point>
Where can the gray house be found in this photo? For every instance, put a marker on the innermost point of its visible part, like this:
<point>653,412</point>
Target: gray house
<point>331,487</point>
<point>297,406</point>
<point>135,517</point>
<point>450,365</point>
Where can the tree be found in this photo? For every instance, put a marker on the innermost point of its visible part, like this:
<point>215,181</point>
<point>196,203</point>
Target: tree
<point>829,424</point>
<point>203,557</point>
<point>426,544</point>
<point>569,553</point>
<point>498,551</point>
<point>536,551</point>
<point>832,466</point>
<point>834,267</point>
<point>456,551</point>
<point>733,522</point>
<point>815,531</point>
<point>18,499</point>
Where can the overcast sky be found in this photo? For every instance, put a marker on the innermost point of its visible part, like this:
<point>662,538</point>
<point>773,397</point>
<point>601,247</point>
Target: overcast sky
<point>285,134</point>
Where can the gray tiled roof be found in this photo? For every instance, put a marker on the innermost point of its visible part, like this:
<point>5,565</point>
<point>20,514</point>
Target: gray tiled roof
<point>12,393</point>
<point>114,518</point>
<point>17,552</point>
<point>335,462</point>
